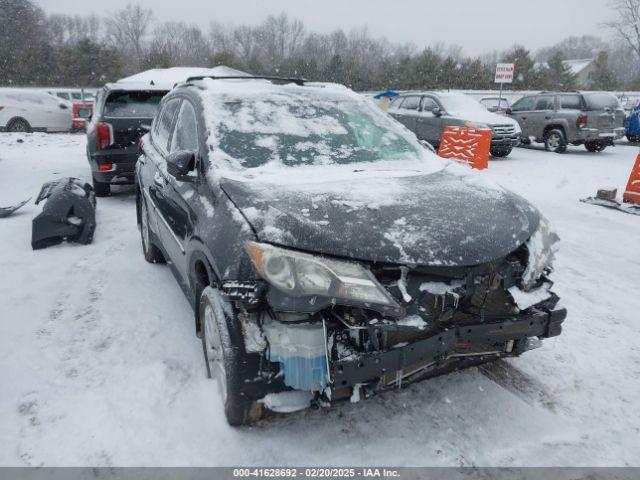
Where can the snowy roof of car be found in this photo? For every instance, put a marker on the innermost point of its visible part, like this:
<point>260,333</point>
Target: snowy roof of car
<point>252,86</point>
<point>168,77</point>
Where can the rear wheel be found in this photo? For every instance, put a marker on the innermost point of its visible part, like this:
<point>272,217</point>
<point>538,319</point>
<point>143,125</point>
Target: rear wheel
<point>224,354</point>
<point>152,253</point>
<point>102,189</point>
<point>18,125</point>
<point>633,138</point>
<point>500,152</point>
<point>595,146</point>
<point>555,141</point>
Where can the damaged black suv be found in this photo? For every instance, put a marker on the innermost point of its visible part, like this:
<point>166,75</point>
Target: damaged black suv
<point>326,252</point>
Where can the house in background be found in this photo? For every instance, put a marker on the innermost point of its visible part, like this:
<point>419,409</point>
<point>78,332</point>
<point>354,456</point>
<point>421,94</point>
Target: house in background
<point>583,69</point>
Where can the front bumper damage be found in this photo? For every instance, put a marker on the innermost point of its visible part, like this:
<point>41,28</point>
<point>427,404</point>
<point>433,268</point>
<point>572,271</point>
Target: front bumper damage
<point>506,338</point>
<point>340,352</point>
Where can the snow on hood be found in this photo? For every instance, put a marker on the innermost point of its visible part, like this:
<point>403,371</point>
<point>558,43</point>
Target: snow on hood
<point>438,219</point>
<point>467,108</point>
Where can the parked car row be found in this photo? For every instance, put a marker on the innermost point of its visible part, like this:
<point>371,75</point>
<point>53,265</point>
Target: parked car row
<point>556,119</point>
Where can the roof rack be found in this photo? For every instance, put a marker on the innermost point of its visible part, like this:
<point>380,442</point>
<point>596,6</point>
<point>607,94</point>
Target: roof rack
<point>279,80</point>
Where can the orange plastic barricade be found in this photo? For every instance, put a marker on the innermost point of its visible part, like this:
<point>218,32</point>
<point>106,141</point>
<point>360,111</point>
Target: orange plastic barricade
<point>468,145</point>
<point>632,192</point>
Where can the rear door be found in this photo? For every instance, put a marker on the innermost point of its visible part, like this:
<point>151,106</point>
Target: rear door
<point>604,111</point>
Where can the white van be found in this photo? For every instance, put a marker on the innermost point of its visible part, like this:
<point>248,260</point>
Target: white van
<point>24,110</point>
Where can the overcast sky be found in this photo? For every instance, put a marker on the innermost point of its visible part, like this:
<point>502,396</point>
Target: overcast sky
<point>478,26</point>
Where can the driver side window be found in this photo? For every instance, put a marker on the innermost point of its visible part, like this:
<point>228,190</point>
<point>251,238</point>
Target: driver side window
<point>524,104</point>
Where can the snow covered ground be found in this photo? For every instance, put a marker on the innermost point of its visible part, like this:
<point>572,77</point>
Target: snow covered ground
<point>99,364</point>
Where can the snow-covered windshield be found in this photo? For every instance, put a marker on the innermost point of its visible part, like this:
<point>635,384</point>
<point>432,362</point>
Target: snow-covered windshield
<point>460,104</point>
<point>296,126</point>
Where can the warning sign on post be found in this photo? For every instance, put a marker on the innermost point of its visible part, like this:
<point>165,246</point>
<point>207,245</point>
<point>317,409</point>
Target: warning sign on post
<point>504,72</point>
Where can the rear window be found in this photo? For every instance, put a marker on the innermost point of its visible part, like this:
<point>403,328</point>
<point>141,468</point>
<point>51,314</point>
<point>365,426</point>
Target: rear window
<point>571,102</point>
<point>600,101</point>
<point>133,104</point>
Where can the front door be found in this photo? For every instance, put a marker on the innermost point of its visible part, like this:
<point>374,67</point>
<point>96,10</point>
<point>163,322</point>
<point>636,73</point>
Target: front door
<point>521,111</point>
<point>429,126</point>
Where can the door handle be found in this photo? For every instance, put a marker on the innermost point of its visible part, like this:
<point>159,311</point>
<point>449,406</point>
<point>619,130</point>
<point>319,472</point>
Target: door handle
<point>547,118</point>
<point>524,118</point>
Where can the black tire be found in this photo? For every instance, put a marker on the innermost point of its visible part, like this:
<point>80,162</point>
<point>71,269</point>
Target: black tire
<point>19,125</point>
<point>500,152</point>
<point>633,138</point>
<point>152,254</point>
<point>595,146</point>
<point>555,141</point>
<point>224,355</point>
<point>101,189</point>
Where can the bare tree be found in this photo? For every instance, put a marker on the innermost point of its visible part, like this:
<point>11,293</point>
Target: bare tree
<point>627,25</point>
<point>126,29</point>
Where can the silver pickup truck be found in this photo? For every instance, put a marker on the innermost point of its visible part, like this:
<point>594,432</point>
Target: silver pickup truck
<point>556,119</point>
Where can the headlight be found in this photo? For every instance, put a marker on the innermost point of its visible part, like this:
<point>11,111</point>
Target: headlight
<point>477,126</point>
<point>300,274</point>
<point>542,247</point>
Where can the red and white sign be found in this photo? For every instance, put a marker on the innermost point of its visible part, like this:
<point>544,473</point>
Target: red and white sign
<point>504,73</point>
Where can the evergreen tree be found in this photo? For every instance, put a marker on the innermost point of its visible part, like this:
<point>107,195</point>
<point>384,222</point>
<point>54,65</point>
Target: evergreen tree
<point>603,78</point>
<point>559,75</point>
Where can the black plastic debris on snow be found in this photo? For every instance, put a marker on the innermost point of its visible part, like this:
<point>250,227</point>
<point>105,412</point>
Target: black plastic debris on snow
<point>607,198</point>
<point>6,211</point>
<point>69,213</point>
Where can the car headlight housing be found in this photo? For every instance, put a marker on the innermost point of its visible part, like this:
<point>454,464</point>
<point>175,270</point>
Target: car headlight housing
<point>300,274</point>
<point>542,247</point>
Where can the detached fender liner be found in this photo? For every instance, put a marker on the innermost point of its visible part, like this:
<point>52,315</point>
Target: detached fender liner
<point>439,347</point>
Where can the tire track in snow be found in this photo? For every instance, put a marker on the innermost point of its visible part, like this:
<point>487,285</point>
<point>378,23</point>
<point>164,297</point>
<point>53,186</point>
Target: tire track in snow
<point>517,382</point>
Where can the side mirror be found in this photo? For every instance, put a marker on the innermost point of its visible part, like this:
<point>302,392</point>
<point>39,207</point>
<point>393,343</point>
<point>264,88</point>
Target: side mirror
<point>437,112</point>
<point>508,111</point>
<point>180,163</point>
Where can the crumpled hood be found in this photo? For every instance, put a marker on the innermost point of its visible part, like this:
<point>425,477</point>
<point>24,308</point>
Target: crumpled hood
<point>439,219</point>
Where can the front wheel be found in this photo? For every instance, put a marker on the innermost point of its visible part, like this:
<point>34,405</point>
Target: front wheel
<point>19,125</point>
<point>500,152</point>
<point>633,138</point>
<point>555,141</point>
<point>595,146</point>
<point>223,346</point>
